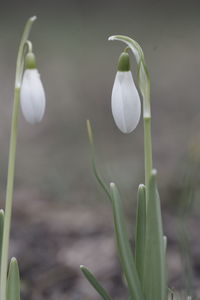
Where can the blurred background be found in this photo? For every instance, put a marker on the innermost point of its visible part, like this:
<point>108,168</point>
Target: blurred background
<point>61,217</point>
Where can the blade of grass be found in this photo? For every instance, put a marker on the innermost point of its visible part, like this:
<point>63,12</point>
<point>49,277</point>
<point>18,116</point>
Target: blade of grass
<point>13,283</point>
<point>154,260</point>
<point>124,249</point>
<point>94,164</point>
<point>94,282</point>
<point>140,231</point>
<point>1,230</point>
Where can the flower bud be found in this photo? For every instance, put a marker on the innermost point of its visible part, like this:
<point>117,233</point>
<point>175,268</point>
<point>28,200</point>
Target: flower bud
<point>32,94</point>
<point>125,100</point>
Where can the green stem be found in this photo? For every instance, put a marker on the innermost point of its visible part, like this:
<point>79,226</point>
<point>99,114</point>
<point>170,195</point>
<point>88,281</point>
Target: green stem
<point>11,163</point>
<point>29,46</point>
<point>147,150</point>
<point>9,194</point>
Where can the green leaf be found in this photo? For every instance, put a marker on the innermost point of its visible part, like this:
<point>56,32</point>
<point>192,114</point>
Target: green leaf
<point>94,164</point>
<point>13,283</point>
<point>140,231</point>
<point>154,260</point>
<point>124,249</point>
<point>1,230</point>
<point>96,285</point>
<point>165,244</point>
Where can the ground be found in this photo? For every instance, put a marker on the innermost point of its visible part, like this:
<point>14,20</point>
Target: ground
<point>51,240</point>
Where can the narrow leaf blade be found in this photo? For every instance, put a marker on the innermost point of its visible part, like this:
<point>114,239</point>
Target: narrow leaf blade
<point>94,164</point>
<point>124,248</point>
<point>140,231</point>
<point>13,283</point>
<point>154,260</point>
<point>1,230</point>
<point>94,282</point>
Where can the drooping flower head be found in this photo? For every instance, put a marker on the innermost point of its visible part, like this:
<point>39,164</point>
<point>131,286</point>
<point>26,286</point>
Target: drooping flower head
<point>32,94</point>
<point>125,100</point>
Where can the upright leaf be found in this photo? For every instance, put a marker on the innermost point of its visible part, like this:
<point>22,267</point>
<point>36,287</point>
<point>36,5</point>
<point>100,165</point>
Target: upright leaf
<point>154,260</point>
<point>13,283</point>
<point>124,248</point>
<point>94,282</point>
<point>140,231</point>
<point>94,164</point>
<point>1,230</point>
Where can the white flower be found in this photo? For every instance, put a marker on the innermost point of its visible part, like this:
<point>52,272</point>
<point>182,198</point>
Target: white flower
<point>126,106</point>
<point>32,96</point>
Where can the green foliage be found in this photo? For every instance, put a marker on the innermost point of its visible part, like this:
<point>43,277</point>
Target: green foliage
<point>123,245</point>
<point>1,230</point>
<point>140,232</point>
<point>154,258</point>
<point>94,164</point>
<point>94,282</point>
<point>13,282</point>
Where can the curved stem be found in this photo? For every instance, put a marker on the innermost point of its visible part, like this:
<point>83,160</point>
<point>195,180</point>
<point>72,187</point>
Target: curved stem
<point>29,46</point>
<point>11,164</point>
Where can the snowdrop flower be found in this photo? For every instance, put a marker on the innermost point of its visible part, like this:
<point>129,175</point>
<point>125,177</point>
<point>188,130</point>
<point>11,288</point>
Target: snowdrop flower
<point>32,95</point>
<point>125,100</point>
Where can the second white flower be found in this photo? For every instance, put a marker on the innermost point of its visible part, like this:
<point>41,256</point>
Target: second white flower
<point>32,96</point>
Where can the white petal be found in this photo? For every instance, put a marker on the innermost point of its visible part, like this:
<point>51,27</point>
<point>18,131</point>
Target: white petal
<point>32,96</point>
<point>125,103</point>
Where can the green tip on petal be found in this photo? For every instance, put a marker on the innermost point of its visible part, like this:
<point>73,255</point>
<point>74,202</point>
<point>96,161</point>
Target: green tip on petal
<point>124,62</point>
<point>30,62</point>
